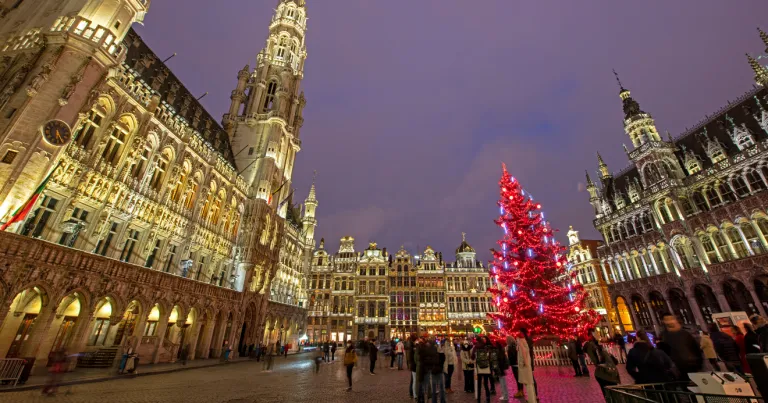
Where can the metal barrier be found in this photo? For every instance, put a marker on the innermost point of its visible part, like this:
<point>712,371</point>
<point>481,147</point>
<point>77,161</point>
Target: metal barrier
<point>11,369</point>
<point>669,393</point>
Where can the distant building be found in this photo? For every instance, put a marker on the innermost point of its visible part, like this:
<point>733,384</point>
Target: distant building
<point>685,225</point>
<point>378,295</point>
<point>582,254</point>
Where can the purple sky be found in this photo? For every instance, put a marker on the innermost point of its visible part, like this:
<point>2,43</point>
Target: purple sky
<point>413,105</point>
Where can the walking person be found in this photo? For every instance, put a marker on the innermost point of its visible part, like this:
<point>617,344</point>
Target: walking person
<point>646,364</point>
<point>591,348</point>
<point>726,348</point>
<point>432,370</point>
<point>512,358</point>
<point>760,326</point>
<point>318,360</point>
<point>392,354</point>
<point>618,338</point>
<point>501,370</point>
<point>373,355</point>
<point>683,348</point>
<point>582,357</point>
<point>227,351</point>
<point>333,351</point>
<point>350,358</point>
<point>269,358</point>
<point>606,374</point>
<point>468,366</point>
<point>450,364</point>
<point>529,341</point>
<point>326,351</point>
<point>525,366</point>
<point>574,357</point>
<point>58,366</point>
<point>400,351</point>
<point>185,354</point>
<point>482,356</point>
<point>706,345</point>
<point>413,390</point>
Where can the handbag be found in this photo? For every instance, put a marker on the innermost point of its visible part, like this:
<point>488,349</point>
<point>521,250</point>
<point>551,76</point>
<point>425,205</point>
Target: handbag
<point>608,374</point>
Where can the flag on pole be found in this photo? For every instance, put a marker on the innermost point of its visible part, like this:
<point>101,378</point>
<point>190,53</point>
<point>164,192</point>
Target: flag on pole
<point>269,201</point>
<point>282,203</point>
<point>23,210</point>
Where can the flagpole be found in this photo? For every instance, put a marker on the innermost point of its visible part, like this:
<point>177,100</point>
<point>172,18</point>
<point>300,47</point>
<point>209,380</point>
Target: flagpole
<point>21,213</point>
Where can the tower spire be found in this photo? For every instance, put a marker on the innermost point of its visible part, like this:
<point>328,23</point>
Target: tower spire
<point>618,80</point>
<point>761,73</point>
<point>764,37</point>
<point>604,172</point>
<point>589,180</point>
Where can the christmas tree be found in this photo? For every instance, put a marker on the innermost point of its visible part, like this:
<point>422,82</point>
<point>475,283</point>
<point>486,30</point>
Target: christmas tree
<point>533,288</point>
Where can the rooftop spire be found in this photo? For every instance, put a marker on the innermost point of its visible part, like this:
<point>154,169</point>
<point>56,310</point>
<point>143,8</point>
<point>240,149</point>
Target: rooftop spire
<point>761,73</point>
<point>589,180</point>
<point>312,196</point>
<point>604,172</point>
<point>618,80</point>
<point>764,37</point>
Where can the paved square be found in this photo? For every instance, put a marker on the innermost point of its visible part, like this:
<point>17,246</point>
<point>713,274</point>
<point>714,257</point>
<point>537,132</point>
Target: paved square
<point>293,380</point>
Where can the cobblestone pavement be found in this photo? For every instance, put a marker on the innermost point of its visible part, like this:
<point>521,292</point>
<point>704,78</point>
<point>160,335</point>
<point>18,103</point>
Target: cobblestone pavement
<point>293,380</point>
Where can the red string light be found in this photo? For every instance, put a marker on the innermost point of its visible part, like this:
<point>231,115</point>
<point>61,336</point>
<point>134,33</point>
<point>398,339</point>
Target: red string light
<point>534,291</point>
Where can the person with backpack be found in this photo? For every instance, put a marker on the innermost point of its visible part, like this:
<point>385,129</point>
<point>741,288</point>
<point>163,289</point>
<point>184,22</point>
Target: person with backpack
<point>646,364</point>
<point>350,359</point>
<point>606,374</point>
<point>483,370</point>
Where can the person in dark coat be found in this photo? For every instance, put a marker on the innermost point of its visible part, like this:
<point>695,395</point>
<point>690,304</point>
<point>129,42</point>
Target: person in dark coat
<point>761,329</point>
<point>373,355</point>
<point>410,355</point>
<point>726,348</point>
<point>685,351</point>
<point>751,343</point>
<point>502,366</point>
<point>646,364</point>
<point>333,351</point>
<point>591,348</point>
<point>512,357</point>
<point>574,357</point>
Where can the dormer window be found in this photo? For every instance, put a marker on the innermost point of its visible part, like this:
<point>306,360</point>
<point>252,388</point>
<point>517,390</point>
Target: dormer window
<point>634,196</point>
<point>619,202</point>
<point>693,166</point>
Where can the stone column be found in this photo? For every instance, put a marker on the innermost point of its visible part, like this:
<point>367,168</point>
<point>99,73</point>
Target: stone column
<point>730,244</point>
<point>162,325</point>
<point>207,339</point>
<point>645,265</point>
<point>745,240</point>
<point>698,317</point>
<point>722,301</point>
<point>39,343</point>
<point>81,332</point>
<point>760,235</point>
<point>752,292</point>
<point>635,323</point>
<point>653,262</point>
<point>192,352</point>
<point>698,248</point>
<point>218,341</point>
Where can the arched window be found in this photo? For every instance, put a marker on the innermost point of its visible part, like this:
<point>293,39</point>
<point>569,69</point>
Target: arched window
<point>721,244</point>
<point>189,198</point>
<point>754,241</point>
<point>282,48</point>
<point>114,145</point>
<point>646,221</point>
<point>726,192</point>
<point>701,203</point>
<point>178,190</point>
<point>89,127</point>
<point>269,98</point>
<point>712,198</point>
<point>687,207</point>
<point>141,162</point>
<point>709,248</point>
<point>755,181</point>
<point>663,213</point>
<point>737,242</point>
<point>740,186</point>
<point>158,174</point>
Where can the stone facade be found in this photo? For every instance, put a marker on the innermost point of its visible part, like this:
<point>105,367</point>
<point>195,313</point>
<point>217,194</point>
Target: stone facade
<point>377,295</point>
<point>154,215</point>
<point>582,256</point>
<point>685,225</point>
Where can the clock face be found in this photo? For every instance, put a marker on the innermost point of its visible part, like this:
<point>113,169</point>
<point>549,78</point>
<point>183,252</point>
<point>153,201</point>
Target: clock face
<point>57,133</point>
